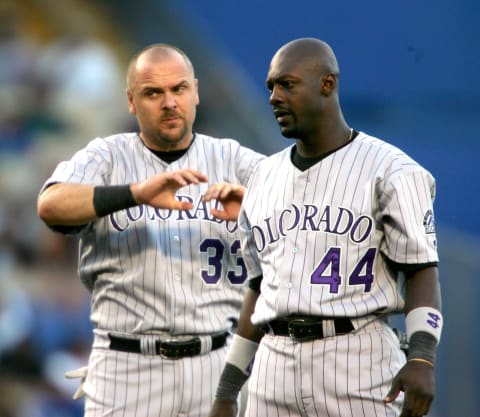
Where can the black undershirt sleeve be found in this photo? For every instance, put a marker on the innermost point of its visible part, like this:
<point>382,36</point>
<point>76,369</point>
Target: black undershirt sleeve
<point>407,269</point>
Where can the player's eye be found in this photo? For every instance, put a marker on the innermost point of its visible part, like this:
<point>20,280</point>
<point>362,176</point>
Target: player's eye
<point>150,93</point>
<point>287,84</point>
<point>179,89</point>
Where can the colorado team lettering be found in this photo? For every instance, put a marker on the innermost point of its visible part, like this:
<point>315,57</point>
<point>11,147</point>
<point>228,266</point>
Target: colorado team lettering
<point>123,219</point>
<point>335,220</point>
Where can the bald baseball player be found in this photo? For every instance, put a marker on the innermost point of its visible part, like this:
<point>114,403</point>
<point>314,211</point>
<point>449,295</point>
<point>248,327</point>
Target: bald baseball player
<point>337,234</point>
<point>166,277</point>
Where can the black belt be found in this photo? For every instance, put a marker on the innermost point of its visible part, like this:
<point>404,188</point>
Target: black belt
<point>303,328</point>
<point>174,349</point>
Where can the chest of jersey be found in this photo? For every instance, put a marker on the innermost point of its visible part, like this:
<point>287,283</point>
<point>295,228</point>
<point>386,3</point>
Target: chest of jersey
<point>316,229</point>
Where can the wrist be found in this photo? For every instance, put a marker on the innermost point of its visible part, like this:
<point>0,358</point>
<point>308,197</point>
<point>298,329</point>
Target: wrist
<point>230,383</point>
<point>241,353</point>
<point>421,360</point>
<point>112,198</point>
<point>422,348</point>
<point>238,364</point>
<point>424,319</point>
<point>134,189</point>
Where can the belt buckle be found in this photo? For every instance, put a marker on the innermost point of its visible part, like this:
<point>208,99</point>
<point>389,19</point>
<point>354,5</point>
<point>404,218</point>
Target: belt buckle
<point>291,330</point>
<point>166,349</point>
<point>178,349</point>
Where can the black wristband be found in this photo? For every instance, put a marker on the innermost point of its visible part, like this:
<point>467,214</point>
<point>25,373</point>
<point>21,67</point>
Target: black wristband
<point>111,198</point>
<point>231,382</point>
<point>422,345</point>
<point>255,283</point>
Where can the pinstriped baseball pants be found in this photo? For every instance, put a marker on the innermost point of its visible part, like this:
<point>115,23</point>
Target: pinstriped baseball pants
<point>122,384</point>
<point>341,376</point>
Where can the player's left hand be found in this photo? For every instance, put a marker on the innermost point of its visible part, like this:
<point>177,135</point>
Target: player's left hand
<point>223,408</point>
<point>78,373</point>
<point>416,380</point>
<point>159,191</point>
<point>230,195</point>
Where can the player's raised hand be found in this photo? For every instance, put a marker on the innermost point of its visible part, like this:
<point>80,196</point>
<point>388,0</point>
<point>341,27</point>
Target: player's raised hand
<point>229,195</point>
<point>159,191</point>
<point>416,380</point>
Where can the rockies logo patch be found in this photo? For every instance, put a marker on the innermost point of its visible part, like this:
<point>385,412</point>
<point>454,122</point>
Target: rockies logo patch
<point>429,222</point>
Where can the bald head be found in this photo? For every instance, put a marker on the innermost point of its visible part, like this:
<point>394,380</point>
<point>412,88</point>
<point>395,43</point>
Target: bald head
<point>154,54</point>
<point>303,84</point>
<point>311,52</point>
<point>162,93</point>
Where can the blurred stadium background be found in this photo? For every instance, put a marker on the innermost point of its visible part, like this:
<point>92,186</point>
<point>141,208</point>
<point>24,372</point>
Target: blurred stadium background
<point>409,74</point>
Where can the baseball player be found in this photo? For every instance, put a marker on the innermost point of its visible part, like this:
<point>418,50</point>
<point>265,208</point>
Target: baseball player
<point>337,234</point>
<point>165,275</point>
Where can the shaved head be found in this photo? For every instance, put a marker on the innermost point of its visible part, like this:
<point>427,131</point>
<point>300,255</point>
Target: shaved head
<point>155,53</point>
<point>303,84</point>
<point>162,93</point>
<point>309,51</point>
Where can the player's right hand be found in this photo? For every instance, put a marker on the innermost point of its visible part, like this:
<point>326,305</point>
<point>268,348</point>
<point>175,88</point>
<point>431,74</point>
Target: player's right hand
<point>223,408</point>
<point>159,191</point>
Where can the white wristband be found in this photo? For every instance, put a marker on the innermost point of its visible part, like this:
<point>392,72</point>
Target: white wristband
<point>424,319</point>
<point>241,353</point>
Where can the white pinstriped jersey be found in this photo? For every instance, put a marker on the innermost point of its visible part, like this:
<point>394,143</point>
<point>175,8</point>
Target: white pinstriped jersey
<point>153,270</point>
<point>318,236</point>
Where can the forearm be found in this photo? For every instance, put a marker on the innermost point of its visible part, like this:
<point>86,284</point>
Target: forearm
<point>245,327</point>
<point>241,353</point>
<point>424,320</point>
<point>67,204</point>
<point>423,289</point>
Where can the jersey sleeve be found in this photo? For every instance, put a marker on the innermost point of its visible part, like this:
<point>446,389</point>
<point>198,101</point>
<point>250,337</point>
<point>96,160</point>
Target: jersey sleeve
<point>407,218</point>
<point>245,162</point>
<point>90,165</point>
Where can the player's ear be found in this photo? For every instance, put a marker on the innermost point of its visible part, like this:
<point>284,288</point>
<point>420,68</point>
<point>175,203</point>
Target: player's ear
<point>195,87</point>
<point>329,84</point>
<point>131,105</point>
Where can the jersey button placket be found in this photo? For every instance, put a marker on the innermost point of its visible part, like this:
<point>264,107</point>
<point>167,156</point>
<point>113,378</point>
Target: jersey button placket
<point>176,244</point>
<point>290,284</point>
<point>176,241</point>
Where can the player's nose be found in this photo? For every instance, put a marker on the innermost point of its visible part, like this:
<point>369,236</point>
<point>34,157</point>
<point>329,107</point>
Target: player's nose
<point>169,101</point>
<point>275,96</point>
